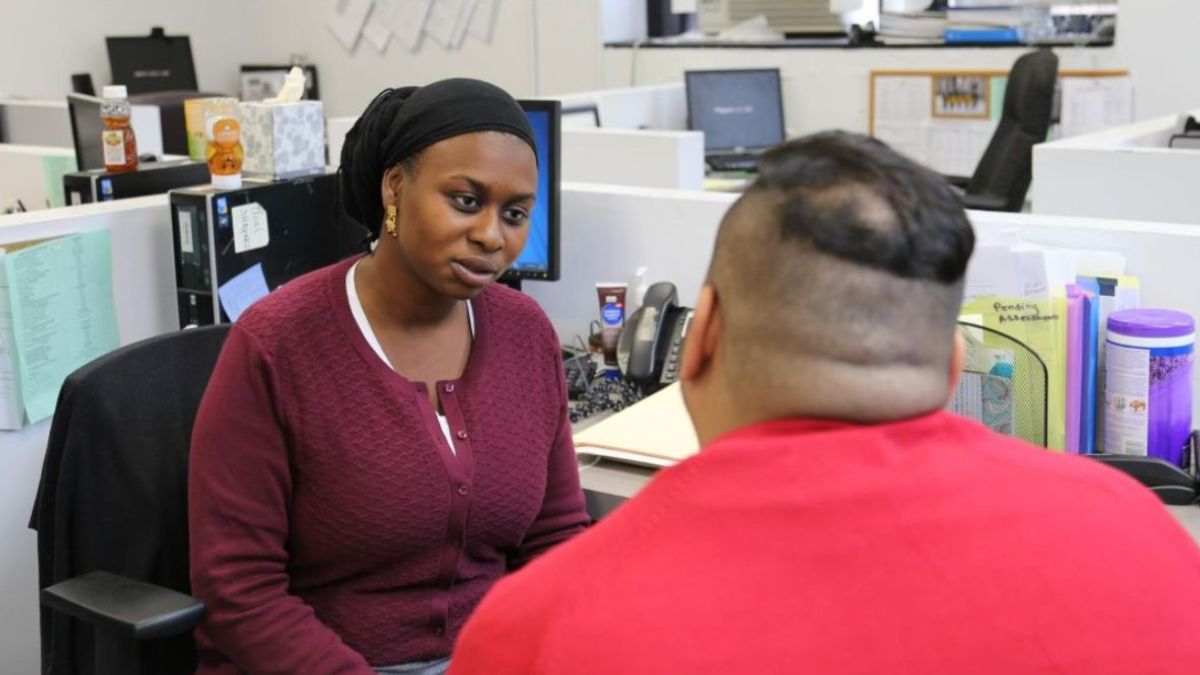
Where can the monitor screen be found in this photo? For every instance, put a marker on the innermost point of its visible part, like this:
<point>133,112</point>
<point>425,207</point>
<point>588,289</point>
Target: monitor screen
<point>539,258</point>
<point>152,63</point>
<point>86,126</point>
<point>736,109</point>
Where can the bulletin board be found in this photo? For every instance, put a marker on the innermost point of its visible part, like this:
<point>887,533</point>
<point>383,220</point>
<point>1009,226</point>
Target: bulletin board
<point>945,118</point>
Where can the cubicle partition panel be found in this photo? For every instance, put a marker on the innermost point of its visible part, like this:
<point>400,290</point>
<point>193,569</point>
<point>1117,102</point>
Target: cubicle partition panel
<point>608,232</point>
<point>31,176</point>
<point>32,122</point>
<point>143,293</point>
<point>653,159</point>
<point>656,106</point>
<point>336,129</point>
<point>1127,172</point>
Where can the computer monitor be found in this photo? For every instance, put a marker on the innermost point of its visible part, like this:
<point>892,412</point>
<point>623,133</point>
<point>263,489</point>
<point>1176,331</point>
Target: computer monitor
<point>540,258</point>
<point>585,116</point>
<point>86,126</point>
<point>736,109</point>
<point>152,63</point>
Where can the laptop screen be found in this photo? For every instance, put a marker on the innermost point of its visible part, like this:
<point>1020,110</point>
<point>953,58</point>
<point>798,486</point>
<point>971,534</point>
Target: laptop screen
<point>736,109</point>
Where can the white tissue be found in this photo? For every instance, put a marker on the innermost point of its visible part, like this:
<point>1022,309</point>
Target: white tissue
<point>293,87</point>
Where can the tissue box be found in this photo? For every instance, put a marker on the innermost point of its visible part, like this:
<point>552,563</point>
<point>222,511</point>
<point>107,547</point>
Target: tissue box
<point>283,140</point>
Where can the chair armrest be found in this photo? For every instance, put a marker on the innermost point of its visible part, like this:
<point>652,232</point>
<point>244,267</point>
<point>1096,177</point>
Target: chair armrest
<point>124,606</point>
<point>1170,483</point>
<point>985,202</point>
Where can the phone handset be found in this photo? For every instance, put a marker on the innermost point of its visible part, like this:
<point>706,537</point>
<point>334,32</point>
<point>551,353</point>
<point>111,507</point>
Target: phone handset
<point>641,348</point>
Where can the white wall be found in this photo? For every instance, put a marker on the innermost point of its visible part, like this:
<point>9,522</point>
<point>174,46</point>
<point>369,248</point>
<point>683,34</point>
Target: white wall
<point>1156,41</point>
<point>67,36</point>
<point>44,42</point>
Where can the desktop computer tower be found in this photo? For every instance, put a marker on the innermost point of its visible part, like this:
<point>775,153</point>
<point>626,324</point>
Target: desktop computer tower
<point>150,178</point>
<point>296,229</point>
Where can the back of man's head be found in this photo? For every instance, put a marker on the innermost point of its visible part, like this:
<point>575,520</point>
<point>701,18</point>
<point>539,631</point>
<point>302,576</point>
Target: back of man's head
<point>839,276</point>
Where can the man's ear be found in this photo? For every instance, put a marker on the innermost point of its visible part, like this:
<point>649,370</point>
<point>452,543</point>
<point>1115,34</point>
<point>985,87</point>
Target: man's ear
<point>957,359</point>
<point>702,337</point>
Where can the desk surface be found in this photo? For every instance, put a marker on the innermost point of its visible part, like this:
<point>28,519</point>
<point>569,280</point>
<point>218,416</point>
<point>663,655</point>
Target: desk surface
<point>608,483</point>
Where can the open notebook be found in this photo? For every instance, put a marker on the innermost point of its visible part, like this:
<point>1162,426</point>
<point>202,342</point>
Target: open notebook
<point>656,431</point>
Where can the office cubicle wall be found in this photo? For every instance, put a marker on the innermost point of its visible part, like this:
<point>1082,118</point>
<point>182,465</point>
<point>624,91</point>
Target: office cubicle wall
<point>610,231</point>
<point>656,159</point>
<point>336,129</point>
<point>30,122</point>
<point>143,293</point>
<point>1127,173</point>
<point>33,174</point>
<point>656,106</point>
<point>661,159</point>
<point>47,123</point>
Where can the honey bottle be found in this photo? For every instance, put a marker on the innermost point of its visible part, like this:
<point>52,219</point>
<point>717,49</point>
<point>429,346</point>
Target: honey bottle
<point>117,139</point>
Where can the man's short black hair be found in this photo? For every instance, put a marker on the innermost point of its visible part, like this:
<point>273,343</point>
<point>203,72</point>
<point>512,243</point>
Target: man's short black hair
<point>921,231</point>
<point>842,252</point>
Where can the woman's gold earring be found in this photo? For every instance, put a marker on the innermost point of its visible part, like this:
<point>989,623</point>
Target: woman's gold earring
<point>391,220</point>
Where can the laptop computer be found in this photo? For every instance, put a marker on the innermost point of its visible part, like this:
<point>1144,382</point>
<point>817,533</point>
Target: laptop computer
<point>740,113</point>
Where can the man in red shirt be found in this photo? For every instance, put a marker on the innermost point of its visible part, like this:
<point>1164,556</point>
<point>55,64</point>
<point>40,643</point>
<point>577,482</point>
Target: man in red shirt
<point>838,520</point>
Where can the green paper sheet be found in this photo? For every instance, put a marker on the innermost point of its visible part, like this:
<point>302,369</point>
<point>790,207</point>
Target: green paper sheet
<point>62,313</point>
<point>53,170</point>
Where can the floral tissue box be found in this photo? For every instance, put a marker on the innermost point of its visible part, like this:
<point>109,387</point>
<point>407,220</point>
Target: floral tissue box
<point>283,140</point>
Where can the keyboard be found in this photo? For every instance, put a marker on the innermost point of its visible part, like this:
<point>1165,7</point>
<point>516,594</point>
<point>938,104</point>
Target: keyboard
<point>747,161</point>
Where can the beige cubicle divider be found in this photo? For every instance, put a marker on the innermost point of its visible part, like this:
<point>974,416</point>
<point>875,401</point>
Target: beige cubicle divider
<point>945,118</point>
<point>1127,172</point>
<point>31,176</point>
<point>144,298</point>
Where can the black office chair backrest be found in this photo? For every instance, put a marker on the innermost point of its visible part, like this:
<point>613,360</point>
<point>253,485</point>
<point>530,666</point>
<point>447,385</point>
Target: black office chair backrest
<point>113,493</point>
<point>81,83</point>
<point>1006,169</point>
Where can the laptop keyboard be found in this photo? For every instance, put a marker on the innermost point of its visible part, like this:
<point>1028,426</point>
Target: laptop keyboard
<point>734,162</point>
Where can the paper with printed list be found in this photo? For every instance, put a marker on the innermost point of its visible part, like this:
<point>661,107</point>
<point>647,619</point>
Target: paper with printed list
<point>408,20</point>
<point>60,316</point>
<point>482,19</point>
<point>346,19</point>
<point>448,20</point>
<point>378,29</point>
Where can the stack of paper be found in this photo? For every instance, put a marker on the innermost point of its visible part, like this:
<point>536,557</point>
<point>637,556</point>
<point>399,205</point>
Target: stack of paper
<point>657,431</point>
<point>1056,302</point>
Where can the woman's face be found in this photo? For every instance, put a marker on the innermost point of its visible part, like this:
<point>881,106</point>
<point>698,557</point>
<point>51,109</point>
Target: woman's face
<point>463,212</point>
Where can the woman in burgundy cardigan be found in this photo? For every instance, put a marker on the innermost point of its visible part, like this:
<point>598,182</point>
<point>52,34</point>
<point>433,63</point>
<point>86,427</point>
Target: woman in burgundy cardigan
<point>383,439</point>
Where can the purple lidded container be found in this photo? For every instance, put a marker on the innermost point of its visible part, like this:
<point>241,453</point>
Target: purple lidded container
<point>1148,383</point>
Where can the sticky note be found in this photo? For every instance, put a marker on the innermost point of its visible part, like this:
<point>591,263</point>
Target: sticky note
<point>250,231</point>
<point>240,292</point>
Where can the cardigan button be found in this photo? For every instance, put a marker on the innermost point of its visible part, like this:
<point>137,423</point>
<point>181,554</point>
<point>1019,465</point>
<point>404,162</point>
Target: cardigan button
<point>463,490</point>
<point>462,433</point>
<point>449,388</point>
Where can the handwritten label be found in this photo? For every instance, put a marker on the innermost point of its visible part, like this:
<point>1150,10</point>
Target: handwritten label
<point>1022,312</point>
<point>250,229</point>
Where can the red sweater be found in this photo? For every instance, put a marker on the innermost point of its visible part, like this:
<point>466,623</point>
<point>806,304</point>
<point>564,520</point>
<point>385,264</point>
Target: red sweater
<point>925,546</point>
<point>331,526</point>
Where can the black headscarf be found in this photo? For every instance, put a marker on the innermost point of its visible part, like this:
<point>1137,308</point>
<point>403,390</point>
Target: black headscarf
<point>402,122</point>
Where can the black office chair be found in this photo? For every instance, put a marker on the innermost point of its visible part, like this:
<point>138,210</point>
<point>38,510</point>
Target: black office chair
<point>1003,175</point>
<point>111,510</point>
<point>81,83</point>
